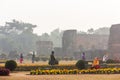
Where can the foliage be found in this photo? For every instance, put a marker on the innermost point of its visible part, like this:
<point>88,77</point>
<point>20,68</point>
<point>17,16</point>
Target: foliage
<point>37,59</point>
<point>45,37</point>
<point>17,35</point>
<point>56,38</point>
<point>44,58</point>
<point>11,65</point>
<point>80,64</point>
<point>102,31</point>
<point>110,61</point>
<point>29,67</point>
<point>13,55</point>
<point>90,31</point>
<point>3,56</point>
<point>4,72</point>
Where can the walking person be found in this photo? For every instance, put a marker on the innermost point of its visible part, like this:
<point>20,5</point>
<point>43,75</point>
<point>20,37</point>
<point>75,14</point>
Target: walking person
<point>21,58</point>
<point>83,56</point>
<point>33,57</point>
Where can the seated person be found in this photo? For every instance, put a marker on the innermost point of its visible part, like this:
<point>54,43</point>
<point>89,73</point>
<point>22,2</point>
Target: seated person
<point>52,60</point>
<point>95,63</point>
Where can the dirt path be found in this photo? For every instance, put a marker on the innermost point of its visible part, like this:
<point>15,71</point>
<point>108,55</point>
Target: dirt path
<point>26,76</point>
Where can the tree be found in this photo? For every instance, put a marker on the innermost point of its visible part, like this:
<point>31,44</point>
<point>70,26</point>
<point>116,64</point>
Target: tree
<point>17,35</point>
<point>56,38</point>
<point>3,56</point>
<point>90,31</point>
<point>13,55</point>
<point>45,37</point>
<point>17,26</point>
<point>102,31</point>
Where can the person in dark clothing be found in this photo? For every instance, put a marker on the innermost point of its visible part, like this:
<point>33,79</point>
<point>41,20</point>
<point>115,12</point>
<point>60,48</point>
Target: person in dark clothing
<point>52,61</point>
<point>33,57</point>
<point>52,56</point>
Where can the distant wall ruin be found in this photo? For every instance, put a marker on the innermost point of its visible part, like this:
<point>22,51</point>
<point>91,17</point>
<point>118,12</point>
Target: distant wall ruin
<point>68,42</point>
<point>114,42</point>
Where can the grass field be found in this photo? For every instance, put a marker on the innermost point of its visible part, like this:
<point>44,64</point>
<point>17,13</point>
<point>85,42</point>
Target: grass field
<point>26,76</point>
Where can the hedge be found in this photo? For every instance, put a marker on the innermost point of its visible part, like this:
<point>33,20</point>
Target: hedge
<point>45,67</point>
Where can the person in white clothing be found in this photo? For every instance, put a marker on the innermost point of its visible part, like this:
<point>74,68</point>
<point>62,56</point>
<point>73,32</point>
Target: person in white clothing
<point>105,58</point>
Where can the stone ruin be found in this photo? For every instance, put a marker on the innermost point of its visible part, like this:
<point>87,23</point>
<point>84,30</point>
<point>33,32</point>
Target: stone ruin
<point>114,42</point>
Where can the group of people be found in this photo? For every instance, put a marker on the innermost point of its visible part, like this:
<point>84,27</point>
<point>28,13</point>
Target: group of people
<point>52,60</point>
<point>96,63</point>
<point>33,57</point>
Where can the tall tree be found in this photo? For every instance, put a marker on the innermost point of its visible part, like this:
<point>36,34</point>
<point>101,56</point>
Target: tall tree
<point>56,37</point>
<point>90,31</point>
<point>18,36</point>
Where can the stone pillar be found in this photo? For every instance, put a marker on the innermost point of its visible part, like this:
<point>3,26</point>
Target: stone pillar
<point>68,42</point>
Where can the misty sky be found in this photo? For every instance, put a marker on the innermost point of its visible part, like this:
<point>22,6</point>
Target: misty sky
<point>64,14</point>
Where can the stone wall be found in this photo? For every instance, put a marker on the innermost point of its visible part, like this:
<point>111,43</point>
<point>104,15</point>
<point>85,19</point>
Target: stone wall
<point>73,42</point>
<point>92,42</point>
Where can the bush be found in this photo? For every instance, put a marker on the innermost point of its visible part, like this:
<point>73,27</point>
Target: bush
<point>44,58</point>
<point>80,64</point>
<point>11,65</point>
<point>110,61</point>
<point>4,72</point>
<point>37,59</point>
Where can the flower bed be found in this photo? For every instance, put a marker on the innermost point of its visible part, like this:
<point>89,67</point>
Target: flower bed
<point>76,71</point>
<point>101,71</point>
<point>4,72</point>
<point>54,71</point>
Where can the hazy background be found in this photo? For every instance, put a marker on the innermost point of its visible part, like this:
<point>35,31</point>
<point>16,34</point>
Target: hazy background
<point>64,14</point>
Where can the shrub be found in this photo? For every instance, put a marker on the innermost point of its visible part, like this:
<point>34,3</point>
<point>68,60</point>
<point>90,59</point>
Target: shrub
<point>80,64</point>
<point>110,61</point>
<point>4,72</point>
<point>37,59</point>
<point>44,58</point>
<point>11,65</point>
